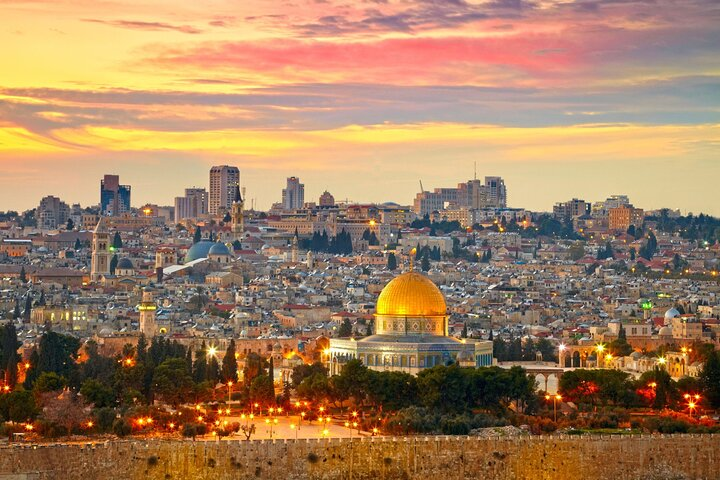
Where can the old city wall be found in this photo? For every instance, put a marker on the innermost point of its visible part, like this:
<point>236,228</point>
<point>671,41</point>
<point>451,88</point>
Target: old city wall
<point>437,458</point>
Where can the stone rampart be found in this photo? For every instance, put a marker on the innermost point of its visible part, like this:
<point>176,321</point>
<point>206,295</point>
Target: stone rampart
<point>437,458</point>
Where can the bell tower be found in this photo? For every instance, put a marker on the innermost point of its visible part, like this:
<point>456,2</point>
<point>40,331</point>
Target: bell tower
<point>237,216</point>
<point>100,260</point>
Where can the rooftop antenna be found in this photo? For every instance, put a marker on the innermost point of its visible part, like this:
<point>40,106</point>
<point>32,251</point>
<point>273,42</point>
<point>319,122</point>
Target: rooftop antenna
<point>475,175</point>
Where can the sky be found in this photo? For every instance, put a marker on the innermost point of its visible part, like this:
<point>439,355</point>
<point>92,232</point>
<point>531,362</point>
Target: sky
<point>364,98</point>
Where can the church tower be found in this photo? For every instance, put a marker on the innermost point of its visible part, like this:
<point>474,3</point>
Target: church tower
<point>101,255</point>
<point>236,214</point>
<point>147,314</point>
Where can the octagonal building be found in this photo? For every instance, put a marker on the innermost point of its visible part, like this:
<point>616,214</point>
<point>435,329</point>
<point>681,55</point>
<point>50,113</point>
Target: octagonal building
<point>411,332</point>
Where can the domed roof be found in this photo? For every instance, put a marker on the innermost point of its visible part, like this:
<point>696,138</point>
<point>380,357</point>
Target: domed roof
<point>411,294</point>
<point>200,250</point>
<point>125,264</point>
<point>671,313</point>
<point>219,248</point>
<point>665,332</point>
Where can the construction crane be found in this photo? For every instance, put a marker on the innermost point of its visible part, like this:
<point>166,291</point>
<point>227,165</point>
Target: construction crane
<point>422,190</point>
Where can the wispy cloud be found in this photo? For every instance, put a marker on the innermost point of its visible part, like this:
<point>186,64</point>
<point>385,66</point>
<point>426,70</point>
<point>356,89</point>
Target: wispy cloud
<point>145,25</point>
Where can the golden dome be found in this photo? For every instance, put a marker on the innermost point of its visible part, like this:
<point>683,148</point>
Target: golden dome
<point>411,294</point>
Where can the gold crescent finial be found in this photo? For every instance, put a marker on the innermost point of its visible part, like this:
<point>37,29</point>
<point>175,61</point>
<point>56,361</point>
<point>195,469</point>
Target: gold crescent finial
<point>413,252</point>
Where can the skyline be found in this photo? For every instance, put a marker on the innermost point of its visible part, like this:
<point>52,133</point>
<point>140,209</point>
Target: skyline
<point>594,98</point>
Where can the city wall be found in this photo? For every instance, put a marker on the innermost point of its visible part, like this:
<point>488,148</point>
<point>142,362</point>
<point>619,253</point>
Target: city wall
<point>438,458</point>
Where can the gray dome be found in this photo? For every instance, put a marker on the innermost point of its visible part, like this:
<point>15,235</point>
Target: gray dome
<point>219,248</point>
<point>672,313</point>
<point>125,264</point>
<point>200,250</point>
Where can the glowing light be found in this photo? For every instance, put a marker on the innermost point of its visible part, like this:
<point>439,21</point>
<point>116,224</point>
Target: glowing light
<point>212,351</point>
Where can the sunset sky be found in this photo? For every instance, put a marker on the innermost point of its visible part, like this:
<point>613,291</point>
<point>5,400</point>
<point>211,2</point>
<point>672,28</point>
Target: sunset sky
<point>563,99</point>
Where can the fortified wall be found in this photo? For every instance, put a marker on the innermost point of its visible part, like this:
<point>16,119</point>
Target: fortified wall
<point>439,458</point>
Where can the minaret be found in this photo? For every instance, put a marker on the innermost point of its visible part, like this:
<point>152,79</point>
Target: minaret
<point>236,214</point>
<point>147,314</point>
<point>101,255</point>
<point>294,250</point>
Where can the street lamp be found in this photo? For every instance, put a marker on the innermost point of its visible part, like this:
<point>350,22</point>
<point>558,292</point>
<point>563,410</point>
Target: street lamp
<point>229,385</point>
<point>296,428</point>
<point>555,399</point>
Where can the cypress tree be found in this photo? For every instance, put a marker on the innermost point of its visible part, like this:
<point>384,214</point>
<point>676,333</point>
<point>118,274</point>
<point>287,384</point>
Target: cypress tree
<point>229,364</point>
<point>117,241</point>
<point>197,236</point>
<point>391,262</point>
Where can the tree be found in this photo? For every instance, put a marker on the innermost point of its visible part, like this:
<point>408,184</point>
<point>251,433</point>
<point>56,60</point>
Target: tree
<point>370,327</point>
<point>345,329</point>
<point>117,241</point>
<point>16,311</point>
<point>172,381</point>
<point>464,332</point>
<point>56,353</point>
<point>425,264</point>
<point>229,368</point>
<point>113,264</point>
<point>262,390</point>
<point>197,236</point>
<point>28,307</point>
<point>97,393</point>
<point>9,358</point>
<point>23,274</point>
<point>710,379</point>
<point>391,262</point>
<point>577,251</point>
<point>301,372</point>
<point>70,224</point>
<point>18,406</point>
<point>620,347</point>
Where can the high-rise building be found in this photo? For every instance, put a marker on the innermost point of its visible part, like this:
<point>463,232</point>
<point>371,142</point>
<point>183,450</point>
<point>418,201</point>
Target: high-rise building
<point>223,180</point>
<point>495,192</point>
<point>620,218</point>
<point>52,213</point>
<point>193,205</point>
<point>114,198</point>
<point>471,195</point>
<point>326,199</point>
<point>570,209</point>
<point>293,196</point>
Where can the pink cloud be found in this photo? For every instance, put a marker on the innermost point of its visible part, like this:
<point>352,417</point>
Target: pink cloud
<point>390,60</point>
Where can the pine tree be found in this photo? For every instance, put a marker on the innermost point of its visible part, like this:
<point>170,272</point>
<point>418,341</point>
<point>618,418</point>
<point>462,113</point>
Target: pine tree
<point>23,274</point>
<point>464,333</point>
<point>271,370</point>
<point>197,236</point>
<point>78,245</point>
<point>70,224</point>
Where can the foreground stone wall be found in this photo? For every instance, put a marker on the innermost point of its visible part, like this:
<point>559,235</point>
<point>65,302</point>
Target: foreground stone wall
<point>437,458</point>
